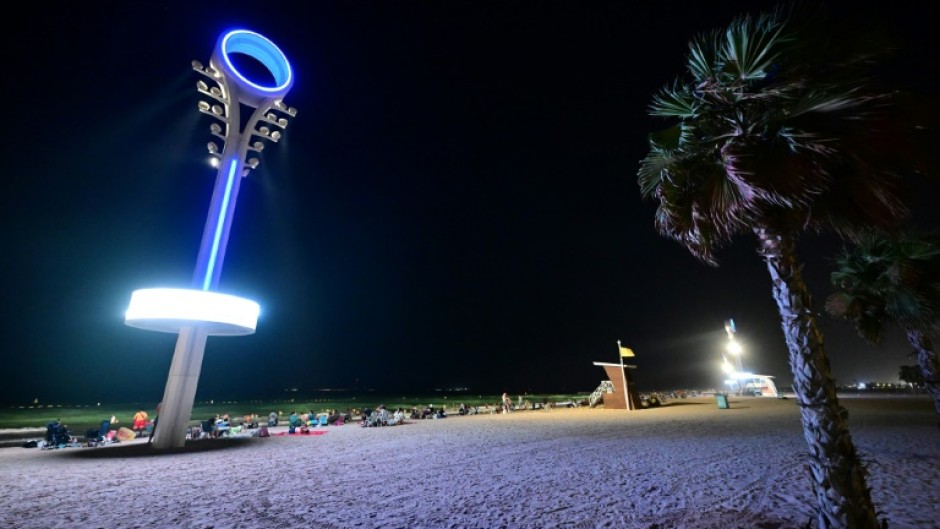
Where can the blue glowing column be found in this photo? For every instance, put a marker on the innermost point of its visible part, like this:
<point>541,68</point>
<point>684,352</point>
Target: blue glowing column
<point>186,367</point>
<point>230,92</point>
<point>218,225</point>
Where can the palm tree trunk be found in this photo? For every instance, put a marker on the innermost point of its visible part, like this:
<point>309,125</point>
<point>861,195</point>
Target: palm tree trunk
<point>837,474</point>
<point>929,363</point>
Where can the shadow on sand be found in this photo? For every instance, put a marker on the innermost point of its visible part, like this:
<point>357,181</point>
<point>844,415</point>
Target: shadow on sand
<point>672,403</point>
<point>148,450</point>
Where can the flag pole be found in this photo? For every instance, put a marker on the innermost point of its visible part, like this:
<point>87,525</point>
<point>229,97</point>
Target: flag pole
<point>623,369</point>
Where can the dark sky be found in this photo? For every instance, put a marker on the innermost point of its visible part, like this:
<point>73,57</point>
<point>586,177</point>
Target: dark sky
<point>455,203</point>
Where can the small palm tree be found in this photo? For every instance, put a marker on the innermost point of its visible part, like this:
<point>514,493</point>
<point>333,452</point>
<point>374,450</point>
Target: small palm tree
<point>911,375</point>
<point>893,280</point>
<point>778,130</point>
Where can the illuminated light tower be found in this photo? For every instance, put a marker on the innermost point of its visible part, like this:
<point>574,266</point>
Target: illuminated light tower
<point>734,349</point>
<point>733,346</point>
<point>199,312</point>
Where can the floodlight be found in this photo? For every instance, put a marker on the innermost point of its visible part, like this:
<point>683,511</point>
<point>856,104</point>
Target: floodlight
<point>264,131</point>
<point>734,347</point>
<point>272,118</point>
<point>253,162</point>
<point>197,65</point>
<point>216,129</point>
<point>217,110</point>
<point>213,148</point>
<point>170,309</point>
<point>257,146</point>
<point>203,106</point>
<point>201,85</point>
<point>279,104</point>
<point>276,135</point>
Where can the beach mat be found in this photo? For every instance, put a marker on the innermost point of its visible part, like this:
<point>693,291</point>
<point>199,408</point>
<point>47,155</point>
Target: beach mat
<point>299,434</point>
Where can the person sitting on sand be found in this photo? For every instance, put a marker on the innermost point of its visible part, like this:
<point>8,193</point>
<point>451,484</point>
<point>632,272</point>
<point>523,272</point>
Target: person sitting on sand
<point>398,417</point>
<point>293,421</point>
<point>223,426</point>
<point>250,421</point>
<point>209,428</point>
<point>140,422</point>
<point>334,418</point>
<point>382,416</point>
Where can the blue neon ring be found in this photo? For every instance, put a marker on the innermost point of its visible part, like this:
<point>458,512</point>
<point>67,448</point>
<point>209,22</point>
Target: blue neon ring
<point>262,50</point>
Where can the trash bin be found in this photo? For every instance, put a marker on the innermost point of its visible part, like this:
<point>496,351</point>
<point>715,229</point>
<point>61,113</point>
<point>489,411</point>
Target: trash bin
<point>722,401</point>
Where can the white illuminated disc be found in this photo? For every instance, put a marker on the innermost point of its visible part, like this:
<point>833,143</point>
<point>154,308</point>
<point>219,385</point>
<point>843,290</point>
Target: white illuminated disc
<point>170,309</point>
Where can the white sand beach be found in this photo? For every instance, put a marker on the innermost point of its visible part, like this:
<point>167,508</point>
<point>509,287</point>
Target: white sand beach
<point>684,465</point>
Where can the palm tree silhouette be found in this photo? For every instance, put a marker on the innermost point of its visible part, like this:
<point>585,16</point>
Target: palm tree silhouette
<point>885,280</point>
<point>777,130</point>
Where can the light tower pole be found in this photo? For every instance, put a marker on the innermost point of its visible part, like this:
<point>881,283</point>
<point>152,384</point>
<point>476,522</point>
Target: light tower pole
<point>734,348</point>
<point>200,312</point>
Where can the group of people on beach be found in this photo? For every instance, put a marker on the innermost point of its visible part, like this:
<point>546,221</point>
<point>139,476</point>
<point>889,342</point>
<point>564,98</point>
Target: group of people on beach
<point>304,421</point>
<point>382,416</point>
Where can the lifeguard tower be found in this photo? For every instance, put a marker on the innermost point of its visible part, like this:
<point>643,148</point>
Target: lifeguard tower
<point>618,392</point>
<point>611,393</point>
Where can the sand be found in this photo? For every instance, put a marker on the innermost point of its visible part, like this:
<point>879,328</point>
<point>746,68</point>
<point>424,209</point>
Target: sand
<point>684,465</point>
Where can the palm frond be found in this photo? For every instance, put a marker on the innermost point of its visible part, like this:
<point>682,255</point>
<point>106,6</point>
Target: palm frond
<point>752,46</point>
<point>773,127</point>
<point>702,59</point>
<point>675,102</point>
<point>887,279</point>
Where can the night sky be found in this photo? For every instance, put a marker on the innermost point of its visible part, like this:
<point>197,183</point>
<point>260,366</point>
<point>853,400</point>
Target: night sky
<point>455,204</point>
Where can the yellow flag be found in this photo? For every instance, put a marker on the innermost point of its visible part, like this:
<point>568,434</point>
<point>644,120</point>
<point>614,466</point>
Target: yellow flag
<point>626,351</point>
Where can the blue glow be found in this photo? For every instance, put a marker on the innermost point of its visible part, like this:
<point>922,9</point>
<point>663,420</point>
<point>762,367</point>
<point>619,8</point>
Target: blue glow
<point>264,51</point>
<point>220,223</point>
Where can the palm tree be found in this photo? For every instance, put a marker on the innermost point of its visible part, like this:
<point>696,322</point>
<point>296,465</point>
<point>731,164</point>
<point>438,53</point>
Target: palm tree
<point>912,375</point>
<point>893,280</point>
<point>777,131</point>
